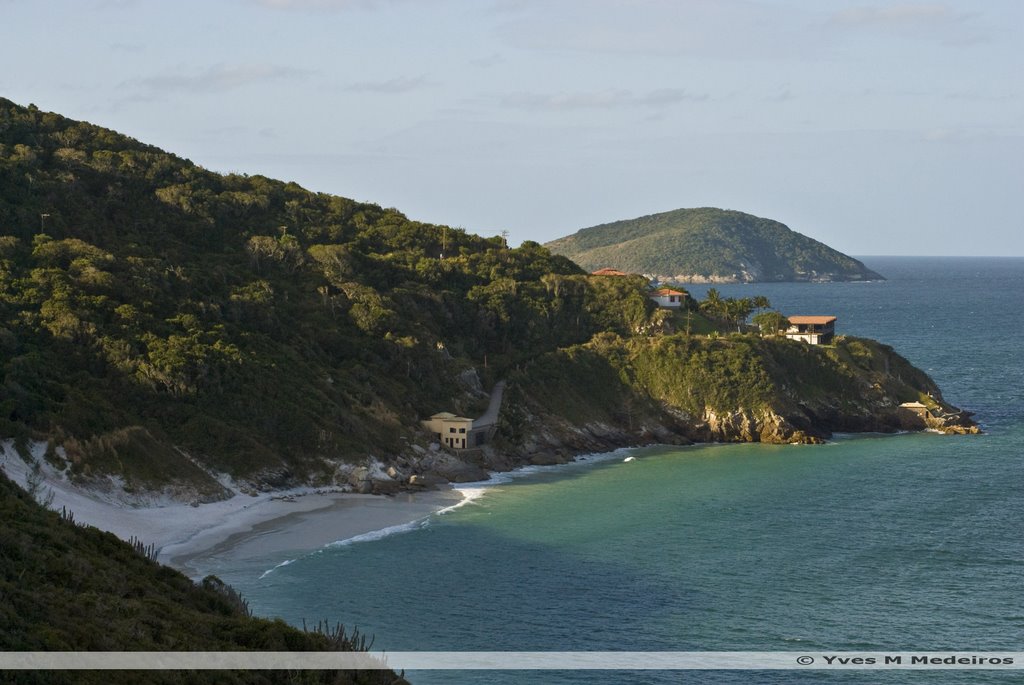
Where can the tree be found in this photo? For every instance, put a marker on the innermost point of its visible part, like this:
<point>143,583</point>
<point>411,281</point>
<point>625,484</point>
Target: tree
<point>771,323</point>
<point>737,310</point>
<point>713,303</point>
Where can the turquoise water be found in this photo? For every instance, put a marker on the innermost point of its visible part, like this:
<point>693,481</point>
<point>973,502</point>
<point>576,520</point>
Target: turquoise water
<point>906,542</point>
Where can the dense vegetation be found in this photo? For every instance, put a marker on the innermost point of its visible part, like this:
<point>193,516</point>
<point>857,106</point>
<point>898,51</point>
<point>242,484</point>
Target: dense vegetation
<point>148,305</point>
<point>67,587</point>
<point>709,244</point>
<point>734,387</point>
<point>165,324</point>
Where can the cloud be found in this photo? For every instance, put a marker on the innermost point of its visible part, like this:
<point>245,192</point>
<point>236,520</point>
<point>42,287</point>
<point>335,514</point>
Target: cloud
<point>934,21</point>
<point>604,99</point>
<point>311,4</point>
<point>324,5</point>
<point>489,61</point>
<point>220,78</point>
<point>722,29</point>
<point>399,84</point>
<point>897,15</point>
<point>782,95</point>
<point>128,47</point>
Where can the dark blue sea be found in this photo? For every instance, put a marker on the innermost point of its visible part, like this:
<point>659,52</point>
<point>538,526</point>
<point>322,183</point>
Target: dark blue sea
<point>868,543</point>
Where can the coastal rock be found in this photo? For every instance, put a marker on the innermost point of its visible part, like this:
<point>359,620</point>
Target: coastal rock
<point>427,480</point>
<point>454,469</point>
<point>943,419</point>
<point>496,460</point>
<point>735,426</point>
<point>470,380</point>
<point>912,419</point>
<point>546,459</point>
<point>358,476</point>
<point>385,487</point>
<point>272,479</point>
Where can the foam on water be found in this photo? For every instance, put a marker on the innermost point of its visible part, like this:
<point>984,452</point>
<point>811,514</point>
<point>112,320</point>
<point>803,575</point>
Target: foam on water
<point>371,536</point>
<point>375,535</point>
<point>271,570</point>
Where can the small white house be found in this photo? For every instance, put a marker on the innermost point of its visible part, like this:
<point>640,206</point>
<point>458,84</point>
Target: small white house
<point>667,297</point>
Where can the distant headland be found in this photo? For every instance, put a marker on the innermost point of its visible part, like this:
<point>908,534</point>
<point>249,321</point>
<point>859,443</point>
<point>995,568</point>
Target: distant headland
<point>709,245</point>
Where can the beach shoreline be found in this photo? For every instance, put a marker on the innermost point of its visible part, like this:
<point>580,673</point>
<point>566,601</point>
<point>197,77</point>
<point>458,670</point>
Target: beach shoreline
<point>280,530</point>
<point>270,523</point>
<point>273,527</point>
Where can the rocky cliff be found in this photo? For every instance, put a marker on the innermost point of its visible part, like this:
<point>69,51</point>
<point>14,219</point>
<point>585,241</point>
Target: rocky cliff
<point>618,392</point>
<point>615,392</point>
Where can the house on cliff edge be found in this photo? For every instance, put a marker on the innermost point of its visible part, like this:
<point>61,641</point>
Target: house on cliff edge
<point>816,330</point>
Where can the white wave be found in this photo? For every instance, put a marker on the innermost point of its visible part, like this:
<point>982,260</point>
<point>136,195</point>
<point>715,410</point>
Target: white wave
<point>271,570</point>
<point>469,494</point>
<point>375,535</point>
<point>477,489</point>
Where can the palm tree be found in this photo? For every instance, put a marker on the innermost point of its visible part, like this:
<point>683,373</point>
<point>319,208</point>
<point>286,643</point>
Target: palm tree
<point>737,311</point>
<point>713,303</point>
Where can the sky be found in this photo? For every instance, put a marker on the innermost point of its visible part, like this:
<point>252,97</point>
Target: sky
<point>879,128</point>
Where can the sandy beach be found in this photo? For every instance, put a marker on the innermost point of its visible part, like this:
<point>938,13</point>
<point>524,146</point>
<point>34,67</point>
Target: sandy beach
<point>267,524</point>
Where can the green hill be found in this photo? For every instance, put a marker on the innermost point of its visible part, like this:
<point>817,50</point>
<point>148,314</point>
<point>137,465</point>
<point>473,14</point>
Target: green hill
<point>64,587</point>
<point>709,245</point>
<point>163,323</point>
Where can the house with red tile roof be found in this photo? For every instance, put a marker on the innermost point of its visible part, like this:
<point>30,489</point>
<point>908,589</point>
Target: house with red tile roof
<point>607,271</point>
<point>667,297</point>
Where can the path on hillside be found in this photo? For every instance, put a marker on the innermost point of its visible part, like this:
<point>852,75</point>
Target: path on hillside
<point>490,417</point>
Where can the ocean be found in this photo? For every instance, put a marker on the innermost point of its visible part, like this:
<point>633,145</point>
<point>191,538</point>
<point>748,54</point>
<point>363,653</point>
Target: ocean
<point>868,543</point>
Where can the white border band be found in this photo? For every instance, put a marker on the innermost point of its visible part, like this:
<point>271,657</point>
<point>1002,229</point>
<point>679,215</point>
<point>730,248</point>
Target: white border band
<point>416,661</point>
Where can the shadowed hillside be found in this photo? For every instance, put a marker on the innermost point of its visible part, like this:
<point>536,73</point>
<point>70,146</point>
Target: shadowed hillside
<point>64,587</point>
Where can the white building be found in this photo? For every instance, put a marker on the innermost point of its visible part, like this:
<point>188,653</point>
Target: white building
<point>666,297</point>
<point>816,330</point>
<point>455,432</point>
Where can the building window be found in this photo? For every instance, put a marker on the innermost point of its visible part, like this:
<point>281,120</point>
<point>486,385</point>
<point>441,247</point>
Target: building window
<point>462,430</point>
<point>451,430</point>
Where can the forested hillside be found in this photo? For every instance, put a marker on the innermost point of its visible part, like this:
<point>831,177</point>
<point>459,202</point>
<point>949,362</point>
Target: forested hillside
<point>709,244</point>
<point>147,305</point>
<point>69,588</point>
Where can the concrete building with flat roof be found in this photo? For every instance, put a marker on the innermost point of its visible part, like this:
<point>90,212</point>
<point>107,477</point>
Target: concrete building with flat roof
<point>816,330</point>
